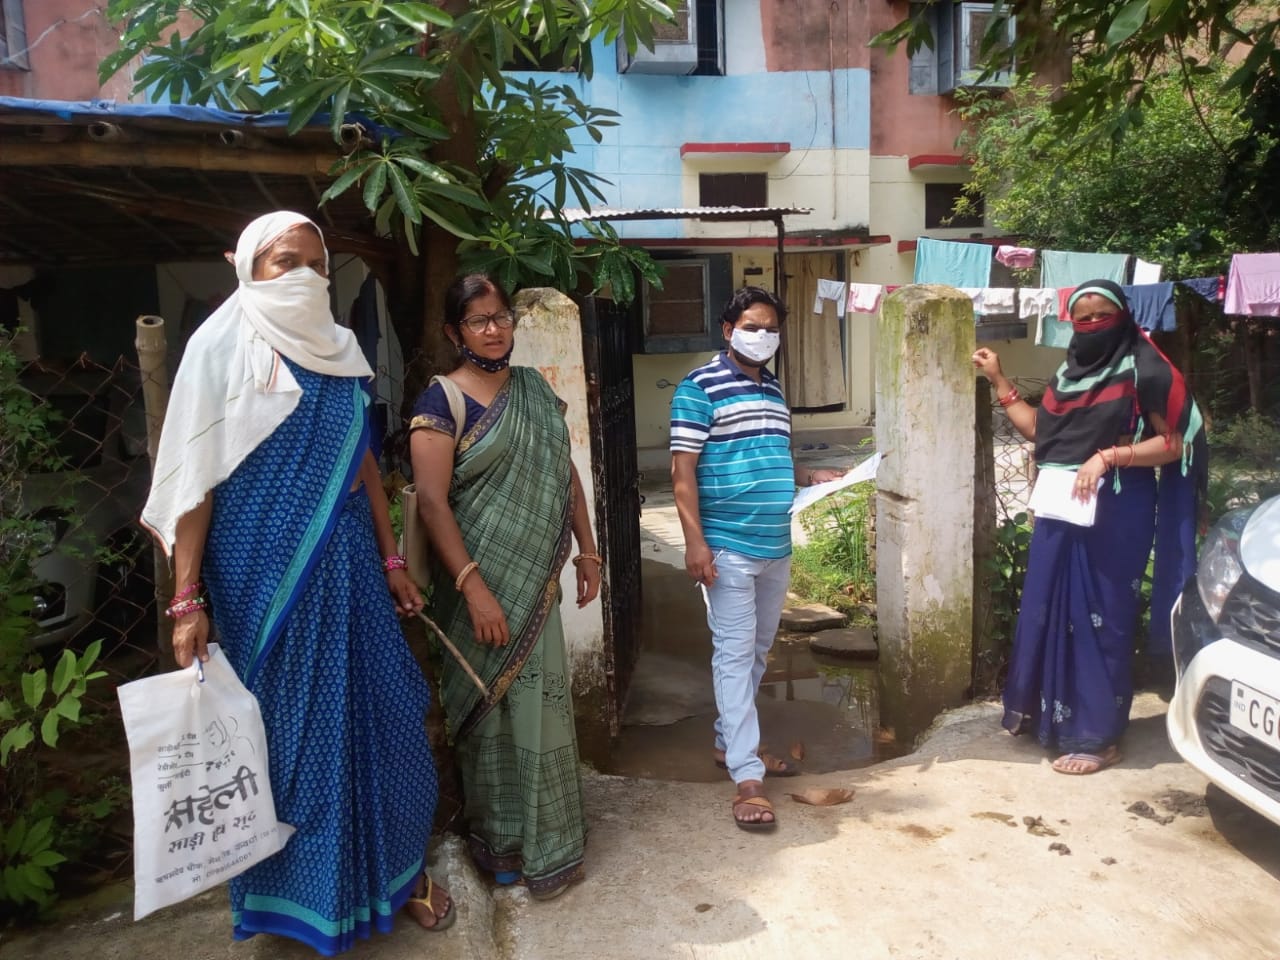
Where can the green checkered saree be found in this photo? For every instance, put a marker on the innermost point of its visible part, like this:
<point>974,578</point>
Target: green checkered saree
<point>517,749</point>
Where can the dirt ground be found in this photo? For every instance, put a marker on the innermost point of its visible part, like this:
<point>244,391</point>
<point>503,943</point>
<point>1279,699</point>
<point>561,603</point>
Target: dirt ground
<point>969,847</point>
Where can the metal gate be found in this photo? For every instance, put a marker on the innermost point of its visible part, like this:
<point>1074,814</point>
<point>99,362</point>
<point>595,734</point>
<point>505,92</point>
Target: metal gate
<point>606,349</point>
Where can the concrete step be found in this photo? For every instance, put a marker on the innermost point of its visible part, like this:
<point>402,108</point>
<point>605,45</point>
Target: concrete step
<point>848,643</point>
<point>811,617</point>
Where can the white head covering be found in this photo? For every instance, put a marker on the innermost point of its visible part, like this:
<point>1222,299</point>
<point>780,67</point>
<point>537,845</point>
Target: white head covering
<point>231,391</point>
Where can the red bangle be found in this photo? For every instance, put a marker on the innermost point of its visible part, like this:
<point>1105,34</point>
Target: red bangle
<point>394,562</point>
<point>1010,398</point>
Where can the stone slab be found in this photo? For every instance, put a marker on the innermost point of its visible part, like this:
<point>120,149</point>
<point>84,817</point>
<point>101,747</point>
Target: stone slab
<point>847,643</point>
<point>812,616</point>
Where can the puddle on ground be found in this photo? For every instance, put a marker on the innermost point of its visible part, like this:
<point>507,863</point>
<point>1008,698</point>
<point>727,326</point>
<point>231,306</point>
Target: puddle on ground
<point>830,706</point>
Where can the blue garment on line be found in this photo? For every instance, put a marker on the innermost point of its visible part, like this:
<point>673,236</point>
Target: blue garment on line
<point>301,607</point>
<point>957,264</point>
<point>1152,306</point>
<point>1206,287</point>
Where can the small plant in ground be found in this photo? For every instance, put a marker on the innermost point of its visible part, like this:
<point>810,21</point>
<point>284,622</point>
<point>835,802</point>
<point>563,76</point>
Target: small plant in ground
<point>1006,571</point>
<point>837,565</point>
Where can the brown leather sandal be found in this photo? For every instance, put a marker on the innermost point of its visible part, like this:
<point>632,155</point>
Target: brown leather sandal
<point>754,797</point>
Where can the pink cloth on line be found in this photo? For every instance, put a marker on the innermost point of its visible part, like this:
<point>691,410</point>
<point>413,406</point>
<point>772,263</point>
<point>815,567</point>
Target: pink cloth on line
<point>1064,294</point>
<point>1018,258</point>
<point>865,297</point>
<point>1253,286</point>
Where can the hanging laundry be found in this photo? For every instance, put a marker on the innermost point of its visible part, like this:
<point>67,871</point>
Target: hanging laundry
<point>1035,302</point>
<point>1210,288</point>
<point>1066,270</point>
<point>1016,258</point>
<point>1055,325</point>
<point>957,264</point>
<point>1144,272</point>
<point>865,297</point>
<point>994,300</point>
<point>830,290</point>
<point>1253,285</point>
<point>1152,305</point>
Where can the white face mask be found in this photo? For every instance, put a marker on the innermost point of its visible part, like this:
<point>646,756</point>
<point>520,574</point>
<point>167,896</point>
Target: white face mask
<point>757,345</point>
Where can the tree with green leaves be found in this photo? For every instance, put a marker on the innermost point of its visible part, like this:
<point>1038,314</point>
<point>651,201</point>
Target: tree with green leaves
<point>474,166</point>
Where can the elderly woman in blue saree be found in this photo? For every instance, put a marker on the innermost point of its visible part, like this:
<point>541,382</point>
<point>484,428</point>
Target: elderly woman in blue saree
<point>264,490</point>
<point>1119,415</point>
<point>500,499</point>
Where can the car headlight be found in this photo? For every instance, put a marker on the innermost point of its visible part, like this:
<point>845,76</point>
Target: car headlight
<point>1220,568</point>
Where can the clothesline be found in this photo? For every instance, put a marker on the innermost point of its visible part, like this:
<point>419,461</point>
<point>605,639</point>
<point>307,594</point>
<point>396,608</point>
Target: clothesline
<point>1251,288</point>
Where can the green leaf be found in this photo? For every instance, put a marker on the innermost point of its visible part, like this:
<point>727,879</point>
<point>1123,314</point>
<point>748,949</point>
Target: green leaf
<point>64,671</point>
<point>49,728</point>
<point>419,16</point>
<point>13,839</point>
<point>33,687</point>
<point>48,858</point>
<point>37,837</point>
<point>340,186</point>
<point>1127,22</point>
<point>375,185</point>
<point>17,738</point>
<point>69,708</point>
<point>403,191</point>
<point>6,711</point>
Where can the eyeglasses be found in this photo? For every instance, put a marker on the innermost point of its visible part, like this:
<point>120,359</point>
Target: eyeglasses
<point>480,322</point>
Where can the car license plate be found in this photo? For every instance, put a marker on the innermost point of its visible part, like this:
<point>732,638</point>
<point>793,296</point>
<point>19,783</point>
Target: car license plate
<point>1256,714</point>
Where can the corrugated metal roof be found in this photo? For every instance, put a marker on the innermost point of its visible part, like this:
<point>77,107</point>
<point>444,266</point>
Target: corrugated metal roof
<point>577,214</point>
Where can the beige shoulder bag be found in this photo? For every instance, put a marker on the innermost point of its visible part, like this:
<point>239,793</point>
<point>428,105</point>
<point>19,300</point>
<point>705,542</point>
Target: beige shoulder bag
<point>414,544</point>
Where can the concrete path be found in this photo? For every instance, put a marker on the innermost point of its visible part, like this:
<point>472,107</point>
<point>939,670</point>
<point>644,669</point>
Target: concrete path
<point>932,859</point>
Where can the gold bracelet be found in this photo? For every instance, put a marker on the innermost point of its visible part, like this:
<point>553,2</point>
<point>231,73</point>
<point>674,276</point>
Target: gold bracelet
<point>599,560</point>
<point>464,573</point>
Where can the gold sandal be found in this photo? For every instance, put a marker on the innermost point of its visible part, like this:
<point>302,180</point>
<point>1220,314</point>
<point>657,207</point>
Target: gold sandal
<point>443,921</point>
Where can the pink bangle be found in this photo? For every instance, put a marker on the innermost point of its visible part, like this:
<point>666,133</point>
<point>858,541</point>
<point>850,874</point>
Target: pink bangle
<point>184,607</point>
<point>395,562</point>
<point>186,591</point>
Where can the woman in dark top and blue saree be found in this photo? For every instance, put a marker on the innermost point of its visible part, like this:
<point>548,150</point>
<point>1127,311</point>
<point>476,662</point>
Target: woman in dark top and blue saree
<point>1119,412</point>
<point>264,487</point>
<point>500,504</point>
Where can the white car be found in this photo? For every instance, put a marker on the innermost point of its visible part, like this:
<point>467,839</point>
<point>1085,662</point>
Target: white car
<point>1224,718</point>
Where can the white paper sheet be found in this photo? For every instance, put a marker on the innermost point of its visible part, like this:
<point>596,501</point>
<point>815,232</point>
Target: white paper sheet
<point>808,496</point>
<point>1052,498</point>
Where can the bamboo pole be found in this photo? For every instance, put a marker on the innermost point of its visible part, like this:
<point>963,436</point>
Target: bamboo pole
<point>199,156</point>
<point>153,369</point>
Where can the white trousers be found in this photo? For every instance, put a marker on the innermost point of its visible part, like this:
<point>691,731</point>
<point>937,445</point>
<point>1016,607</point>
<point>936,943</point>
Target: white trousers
<point>744,606</point>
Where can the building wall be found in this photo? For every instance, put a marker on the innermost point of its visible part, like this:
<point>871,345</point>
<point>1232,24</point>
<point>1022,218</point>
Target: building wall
<point>67,41</point>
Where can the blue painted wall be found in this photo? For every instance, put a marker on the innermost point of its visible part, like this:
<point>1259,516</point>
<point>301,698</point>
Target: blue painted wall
<point>641,156</point>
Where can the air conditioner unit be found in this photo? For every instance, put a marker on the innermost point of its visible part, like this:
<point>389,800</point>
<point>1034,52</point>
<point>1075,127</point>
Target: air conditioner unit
<point>675,45</point>
<point>959,45</point>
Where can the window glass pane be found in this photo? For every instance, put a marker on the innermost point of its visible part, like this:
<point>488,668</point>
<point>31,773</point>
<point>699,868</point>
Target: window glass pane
<point>733,189</point>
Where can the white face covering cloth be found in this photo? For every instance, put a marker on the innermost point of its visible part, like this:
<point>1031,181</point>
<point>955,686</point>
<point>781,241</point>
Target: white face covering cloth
<point>757,345</point>
<point>231,390</point>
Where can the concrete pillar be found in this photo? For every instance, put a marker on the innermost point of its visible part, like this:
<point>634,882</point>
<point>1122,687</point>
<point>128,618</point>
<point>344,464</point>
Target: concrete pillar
<point>549,337</point>
<point>924,504</point>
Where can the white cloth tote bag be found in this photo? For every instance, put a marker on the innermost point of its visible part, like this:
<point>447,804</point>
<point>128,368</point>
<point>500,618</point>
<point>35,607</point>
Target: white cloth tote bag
<point>202,806</point>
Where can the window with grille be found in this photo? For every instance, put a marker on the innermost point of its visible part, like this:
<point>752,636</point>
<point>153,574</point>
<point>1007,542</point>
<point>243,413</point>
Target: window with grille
<point>733,190</point>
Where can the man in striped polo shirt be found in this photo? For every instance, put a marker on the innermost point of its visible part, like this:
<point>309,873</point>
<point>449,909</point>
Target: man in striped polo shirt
<point>734,481</point>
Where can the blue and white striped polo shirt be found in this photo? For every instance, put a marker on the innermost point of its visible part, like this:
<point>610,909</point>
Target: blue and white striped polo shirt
<point>741,431</point>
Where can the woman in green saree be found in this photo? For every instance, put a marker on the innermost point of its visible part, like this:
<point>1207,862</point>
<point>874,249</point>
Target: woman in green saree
<point>500,503</point>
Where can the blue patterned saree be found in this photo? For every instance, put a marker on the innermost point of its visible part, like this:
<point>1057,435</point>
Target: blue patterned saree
<point>301,608</point>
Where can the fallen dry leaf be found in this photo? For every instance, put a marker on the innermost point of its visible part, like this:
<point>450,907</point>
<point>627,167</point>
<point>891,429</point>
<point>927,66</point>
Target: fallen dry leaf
<point>797,750</point>
<point>822,797</point>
